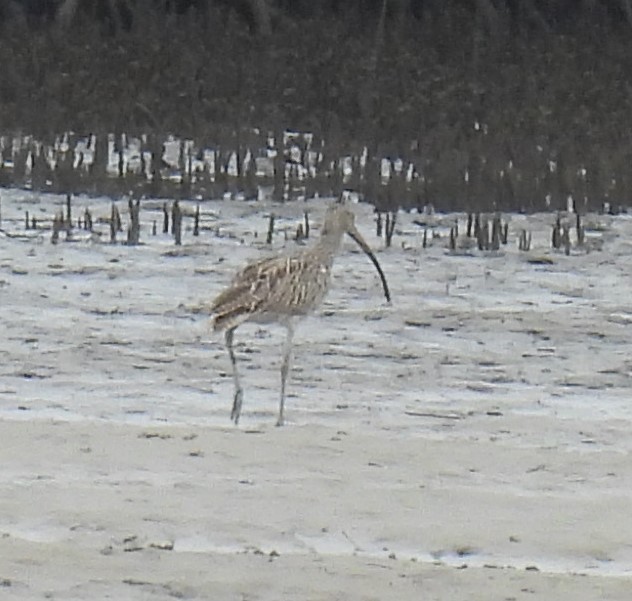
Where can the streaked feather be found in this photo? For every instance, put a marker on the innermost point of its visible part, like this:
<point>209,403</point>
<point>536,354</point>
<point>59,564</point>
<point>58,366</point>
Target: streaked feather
<point>266,289</point>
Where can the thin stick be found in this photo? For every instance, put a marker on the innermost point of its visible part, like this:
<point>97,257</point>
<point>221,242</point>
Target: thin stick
<point>270,229</point>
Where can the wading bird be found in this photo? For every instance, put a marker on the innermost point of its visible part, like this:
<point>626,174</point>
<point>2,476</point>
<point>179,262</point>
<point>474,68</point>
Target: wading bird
<point>283,290</point>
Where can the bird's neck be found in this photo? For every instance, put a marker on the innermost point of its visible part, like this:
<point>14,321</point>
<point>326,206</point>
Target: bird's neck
<point>329,243</point>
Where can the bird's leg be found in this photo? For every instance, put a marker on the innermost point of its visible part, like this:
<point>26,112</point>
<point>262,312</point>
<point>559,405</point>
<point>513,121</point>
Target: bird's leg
<point>285,368</point>
<point>239,393</point>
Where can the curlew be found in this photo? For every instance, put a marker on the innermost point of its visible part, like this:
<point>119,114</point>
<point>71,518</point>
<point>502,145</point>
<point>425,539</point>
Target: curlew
<point>283,290</point>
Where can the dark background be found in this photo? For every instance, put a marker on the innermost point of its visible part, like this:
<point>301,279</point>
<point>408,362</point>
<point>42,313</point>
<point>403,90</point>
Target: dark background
<point>500,88</point>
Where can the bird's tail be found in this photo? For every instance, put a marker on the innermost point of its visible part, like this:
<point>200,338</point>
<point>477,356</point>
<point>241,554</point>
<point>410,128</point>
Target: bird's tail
<point>229,318</point>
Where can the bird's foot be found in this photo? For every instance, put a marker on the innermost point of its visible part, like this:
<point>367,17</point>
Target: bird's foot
<point>236,412</point>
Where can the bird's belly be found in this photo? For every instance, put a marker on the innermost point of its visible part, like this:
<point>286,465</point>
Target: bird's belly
<point>271,317</point>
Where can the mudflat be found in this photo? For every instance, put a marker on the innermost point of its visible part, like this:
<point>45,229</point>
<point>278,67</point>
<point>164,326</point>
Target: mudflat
<point>470,441</point>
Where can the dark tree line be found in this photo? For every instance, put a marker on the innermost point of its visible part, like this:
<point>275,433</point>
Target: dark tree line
<point>389,66</point>
<point>453,85</point>
<point>492,16</point>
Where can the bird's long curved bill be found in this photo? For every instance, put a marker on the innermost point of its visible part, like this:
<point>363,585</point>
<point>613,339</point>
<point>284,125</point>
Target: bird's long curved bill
<point>355,234</point>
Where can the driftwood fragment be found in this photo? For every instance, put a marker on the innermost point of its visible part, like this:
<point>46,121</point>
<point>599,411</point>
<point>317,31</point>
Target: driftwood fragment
<point>133,230</point>
<point>176,222</point>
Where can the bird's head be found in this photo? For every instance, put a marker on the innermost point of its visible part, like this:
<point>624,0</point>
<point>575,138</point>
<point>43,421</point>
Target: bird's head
<point>339,219</point>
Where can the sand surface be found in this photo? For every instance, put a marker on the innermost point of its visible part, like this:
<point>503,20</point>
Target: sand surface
<point>471,441</point>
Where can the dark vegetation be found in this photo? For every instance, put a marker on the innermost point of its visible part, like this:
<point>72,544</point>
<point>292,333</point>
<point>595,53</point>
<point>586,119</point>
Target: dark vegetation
<point>498,104</point>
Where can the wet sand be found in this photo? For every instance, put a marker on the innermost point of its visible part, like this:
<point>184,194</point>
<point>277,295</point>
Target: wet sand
<point>471,441</point>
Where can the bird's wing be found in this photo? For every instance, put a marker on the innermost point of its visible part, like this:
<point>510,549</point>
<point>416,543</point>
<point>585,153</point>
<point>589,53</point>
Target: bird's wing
<point>251,289</point>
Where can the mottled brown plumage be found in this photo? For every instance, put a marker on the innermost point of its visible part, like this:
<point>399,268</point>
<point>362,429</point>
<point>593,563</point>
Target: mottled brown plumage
<point>283,289</point>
